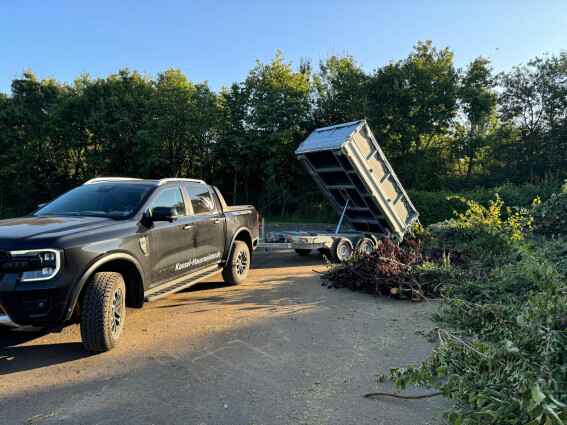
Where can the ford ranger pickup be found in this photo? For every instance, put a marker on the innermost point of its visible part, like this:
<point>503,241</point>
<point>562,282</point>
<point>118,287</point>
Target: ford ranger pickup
<point>115,242</point>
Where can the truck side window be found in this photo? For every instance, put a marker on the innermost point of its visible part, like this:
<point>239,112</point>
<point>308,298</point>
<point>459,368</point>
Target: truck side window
<point>201,200</point>
<point>170,198</point>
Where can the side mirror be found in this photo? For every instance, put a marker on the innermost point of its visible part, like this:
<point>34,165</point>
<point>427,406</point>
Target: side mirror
<point>159,214</point>
<point>164,214</point>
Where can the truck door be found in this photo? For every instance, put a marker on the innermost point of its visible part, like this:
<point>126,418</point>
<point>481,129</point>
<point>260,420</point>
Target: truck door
<point>171,245</point>
<point>210,226</point>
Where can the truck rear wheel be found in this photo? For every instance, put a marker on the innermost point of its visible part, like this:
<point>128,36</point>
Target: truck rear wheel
<point>341,250</point>
<point>103,311</point>
<point>238,264</point>
<point>303,252</point>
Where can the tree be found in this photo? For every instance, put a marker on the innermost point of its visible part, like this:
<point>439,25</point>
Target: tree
<point>413,103</point>
<point>227,155</point>
<point>478,102</point>
<point>118,110</point>
<point>30,146</point>
<point>341,87</point>
<point>204,123</point>
<point>277,114</point>
<point>534,103</point>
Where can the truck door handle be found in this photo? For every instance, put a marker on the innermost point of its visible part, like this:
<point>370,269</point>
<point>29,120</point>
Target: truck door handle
<point>188,227</point>
<point>217,221</point>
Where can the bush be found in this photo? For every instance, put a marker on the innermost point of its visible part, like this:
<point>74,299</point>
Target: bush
<point>507,362</point>
<point>555,251</point>
<point>551,216</point>
<point>433,206</point>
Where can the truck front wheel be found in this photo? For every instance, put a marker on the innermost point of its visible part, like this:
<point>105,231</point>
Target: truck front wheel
<point>103,311</point>
<point>238,264</point>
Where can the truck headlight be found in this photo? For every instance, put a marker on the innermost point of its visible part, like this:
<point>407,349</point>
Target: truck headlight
<point>43,263</point>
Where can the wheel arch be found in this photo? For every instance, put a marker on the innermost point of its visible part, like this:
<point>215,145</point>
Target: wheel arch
<point>243,234</point>
<point>126,265</point>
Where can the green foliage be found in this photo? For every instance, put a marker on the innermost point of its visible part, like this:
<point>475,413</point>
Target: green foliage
<point>479,218</point>
<point>533,103</point>
<point>552,215</point>
<point>478,102</point>
<point>278,108</point>
<point>433,206</point>
<point>342,92</point>
<point>555,251</point>
<point>412,105</point>
<point>507,364</point>
<point>477,222</point>
<point>502,356</point>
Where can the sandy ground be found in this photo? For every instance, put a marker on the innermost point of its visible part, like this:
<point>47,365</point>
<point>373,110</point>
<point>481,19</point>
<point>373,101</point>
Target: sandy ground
<point>278,349</point>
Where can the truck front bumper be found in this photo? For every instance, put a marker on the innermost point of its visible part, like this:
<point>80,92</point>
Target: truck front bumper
<point>40,304</point>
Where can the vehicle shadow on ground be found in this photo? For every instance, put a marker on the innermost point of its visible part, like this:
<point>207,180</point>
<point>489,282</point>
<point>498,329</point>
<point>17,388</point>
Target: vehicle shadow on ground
<point>247,297</point>
<point>20,352</point>
<point>16,358</point>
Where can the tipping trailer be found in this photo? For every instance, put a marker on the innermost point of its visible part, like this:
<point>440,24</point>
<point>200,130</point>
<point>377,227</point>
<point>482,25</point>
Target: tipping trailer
<point>351,170</point>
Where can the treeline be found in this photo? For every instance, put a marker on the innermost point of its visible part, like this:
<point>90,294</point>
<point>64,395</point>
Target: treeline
<point>441,127</point>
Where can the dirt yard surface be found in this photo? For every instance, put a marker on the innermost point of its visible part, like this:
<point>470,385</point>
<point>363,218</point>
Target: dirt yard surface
<point>279,349</point>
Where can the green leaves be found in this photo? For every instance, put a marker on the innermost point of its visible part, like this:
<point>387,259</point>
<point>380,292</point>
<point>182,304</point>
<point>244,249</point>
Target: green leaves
<point>442,371</point>
<point>412,104</point>
<point>505,361</point>
<point>537,395</point>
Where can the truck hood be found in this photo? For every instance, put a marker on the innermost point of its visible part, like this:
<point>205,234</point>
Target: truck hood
<point>26,228</point>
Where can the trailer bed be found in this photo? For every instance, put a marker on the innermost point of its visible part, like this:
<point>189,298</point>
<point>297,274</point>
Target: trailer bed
<point>352,171</point>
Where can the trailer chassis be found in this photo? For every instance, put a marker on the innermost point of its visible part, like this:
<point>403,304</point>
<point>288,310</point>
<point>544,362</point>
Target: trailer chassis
<point>339,245</point>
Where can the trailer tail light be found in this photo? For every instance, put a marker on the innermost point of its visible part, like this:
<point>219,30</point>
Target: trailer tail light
<point>258,216</point>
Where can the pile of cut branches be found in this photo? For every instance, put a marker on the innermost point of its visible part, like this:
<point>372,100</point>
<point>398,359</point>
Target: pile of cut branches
<point>392,269</point>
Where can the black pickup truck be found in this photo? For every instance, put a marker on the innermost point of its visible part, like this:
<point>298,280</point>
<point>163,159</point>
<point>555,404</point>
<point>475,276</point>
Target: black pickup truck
<point>116,242</point>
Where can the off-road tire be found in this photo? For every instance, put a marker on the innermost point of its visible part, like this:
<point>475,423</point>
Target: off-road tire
<point>238,264</point>
<point>103,311</point>
<point>341,250</point>
<point>303,252</point>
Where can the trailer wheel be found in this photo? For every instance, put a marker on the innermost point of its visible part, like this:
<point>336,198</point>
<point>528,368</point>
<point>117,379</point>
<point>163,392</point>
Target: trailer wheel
<point>303,252</point>
<point>365,246</point>
<point>341,250</point>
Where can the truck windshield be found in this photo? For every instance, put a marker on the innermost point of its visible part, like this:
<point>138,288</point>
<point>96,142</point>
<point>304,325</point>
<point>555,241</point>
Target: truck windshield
<point>113,200</point>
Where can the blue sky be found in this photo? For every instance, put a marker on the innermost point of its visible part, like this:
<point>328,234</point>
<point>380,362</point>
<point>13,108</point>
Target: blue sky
<point>219,41</point>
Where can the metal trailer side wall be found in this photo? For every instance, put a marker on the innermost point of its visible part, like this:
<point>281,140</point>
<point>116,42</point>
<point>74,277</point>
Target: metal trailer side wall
<point>348,166</point>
